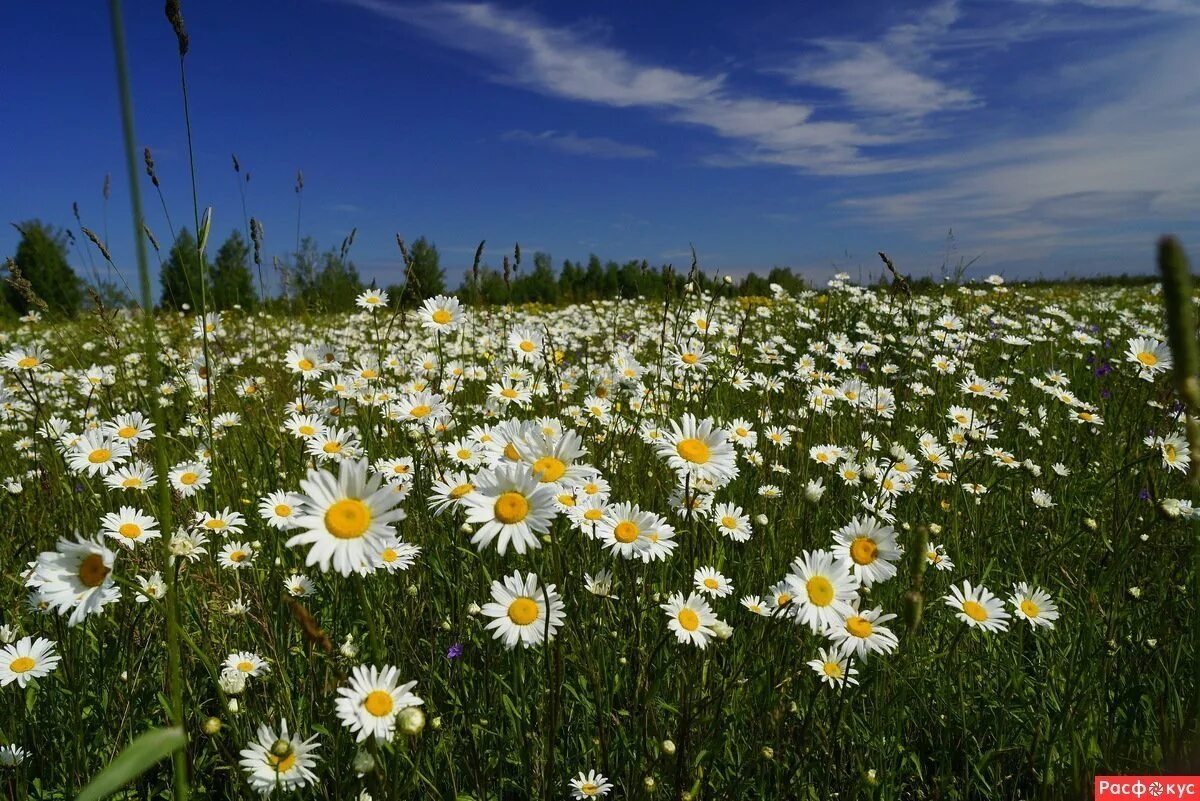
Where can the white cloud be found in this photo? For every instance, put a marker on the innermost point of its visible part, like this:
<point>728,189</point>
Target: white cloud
<point>558,61</point>
<point>569,142</point>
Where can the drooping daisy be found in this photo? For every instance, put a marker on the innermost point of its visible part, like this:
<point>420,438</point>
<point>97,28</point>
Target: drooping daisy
<point>823,589</point>
<point>868,548</point>
<point>279,760</point>
<point>589,785</point>
<point>448,492</point>
<point>75,578</point>
<point>369,705</point>
<point>347,518</point>
<point>27,659</point>
<point>754,604</point>
<point>834,668</point>
<point>510,506</point>
<point>130,526</point>
<point>135,476</point>
<point>1033,605</point>
<point>299,586</point>
<point>151,588</point>
<point>690,618</point>
<point>977,607</point>
<point>860,632</point>
<point>711,583</point>
<point>523,611</point>
<point>700,449</point>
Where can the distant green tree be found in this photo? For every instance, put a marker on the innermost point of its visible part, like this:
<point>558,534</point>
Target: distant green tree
<point>231,279</point>
<point>426,278</point>
<point>42,259</point>
<point>325,280</point>
<point>183,278</point>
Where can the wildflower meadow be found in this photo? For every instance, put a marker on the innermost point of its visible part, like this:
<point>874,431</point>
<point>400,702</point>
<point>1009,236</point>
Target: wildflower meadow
<point>830,540</point>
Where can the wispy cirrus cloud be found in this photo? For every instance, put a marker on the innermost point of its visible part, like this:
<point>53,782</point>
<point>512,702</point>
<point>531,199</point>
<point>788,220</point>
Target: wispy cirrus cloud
<point>570,142</point>
<point>559,61</point>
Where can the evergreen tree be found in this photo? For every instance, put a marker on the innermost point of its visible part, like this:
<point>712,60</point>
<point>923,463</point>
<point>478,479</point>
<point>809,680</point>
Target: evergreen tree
<point>231,279</point>
<point>42,259</point>
<point>182,276</point>
<point>324,281</point>
<point>426,278</point>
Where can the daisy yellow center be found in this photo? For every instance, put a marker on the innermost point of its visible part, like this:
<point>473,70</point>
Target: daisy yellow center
<point>693,450</point>
<point>832,669</point>
<point>589,788</point>
<point>689,358</point>
<point>688,619</point>
<point>389,555</point>
<point>27,362</point>
<point>130,530</point>
<point>420,411</point>
<point>783,599</point>
<point>283,510</point>
<point>510,452</point>
<point>625,532</point>
<point>712,583</point>
<point>527,346</point>
<point>441,317</point>
<point>511,508</point>
<point>379,703</point>
<point>281,764</point>
<point>1147,358</point>
<point>215,523</point>
<point>549,469</point>
<point>820,591</point>
<point>332,447</point>
<point>348,519</point>
<point>863,551</point>
<point>127,432</point>
<point>22,664</point>
<point>131,482</point>
<point>1169,453</point>
<point>100,456</point>
<point>245,666</point>
<point>237,556</point>
<point>368,373</point>
<point>189,478</point>
<point>523,611</point>
<point>461,490</point>
<point>92,570</point>
<point>307,431</point>
<point>975,611</point>
<point>305,364</point>
<point>859,626</point>
<point>508,392</point>
<point>1030,608</point>
<point>593,515</point>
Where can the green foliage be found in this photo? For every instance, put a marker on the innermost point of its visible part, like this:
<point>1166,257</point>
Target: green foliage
<point>324,280</point>
<point>184,275</point>
<point>139,756</point>
<point>232,282</point>
<point>42,258</point>
<point>426,277</point>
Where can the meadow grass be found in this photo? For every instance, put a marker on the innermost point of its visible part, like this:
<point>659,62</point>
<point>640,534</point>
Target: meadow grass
<point>1055,405</point>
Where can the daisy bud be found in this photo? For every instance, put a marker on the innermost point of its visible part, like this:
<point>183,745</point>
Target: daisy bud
<point>411,721</point>
<point>232,706</point>
<point>473,610</point>
<point>465,528</point>
<point>212,726</point>
<point>436,723</point>
<point>1135,592</point>
<point>363,762</point>
<point>768,752</point>
<point>728,279</point>
<point>761,519</point>
<point>1090,523</point>
<point>649,783</point>
<point>869,777</point>
<point>668,747</point>
<point>445,625</point>
<point>722,630</point>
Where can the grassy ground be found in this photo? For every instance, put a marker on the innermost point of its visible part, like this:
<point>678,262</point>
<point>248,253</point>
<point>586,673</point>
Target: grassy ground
<point>953,712</point>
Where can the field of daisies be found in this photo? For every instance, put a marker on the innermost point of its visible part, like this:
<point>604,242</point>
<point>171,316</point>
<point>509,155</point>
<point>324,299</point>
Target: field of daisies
<point>843,543</point>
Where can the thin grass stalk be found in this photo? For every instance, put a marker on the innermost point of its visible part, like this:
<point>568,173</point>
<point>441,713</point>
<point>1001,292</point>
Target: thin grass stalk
<point>150,347</point>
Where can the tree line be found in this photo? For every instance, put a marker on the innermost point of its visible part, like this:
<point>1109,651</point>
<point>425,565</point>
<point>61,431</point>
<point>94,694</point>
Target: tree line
<point>41,278</point>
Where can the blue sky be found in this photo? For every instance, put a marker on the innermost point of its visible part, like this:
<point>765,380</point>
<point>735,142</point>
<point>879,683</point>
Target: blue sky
<point>1053,138</point>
